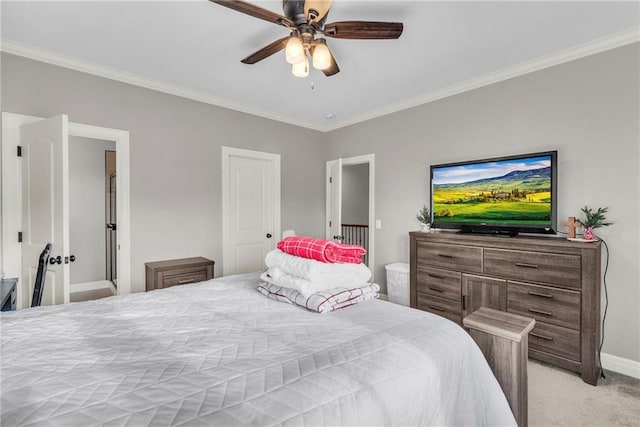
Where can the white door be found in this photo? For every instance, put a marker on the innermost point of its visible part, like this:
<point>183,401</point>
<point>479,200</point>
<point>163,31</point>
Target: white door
<point>45,197</point>
<point>251,208</point>
<point>335,189</point>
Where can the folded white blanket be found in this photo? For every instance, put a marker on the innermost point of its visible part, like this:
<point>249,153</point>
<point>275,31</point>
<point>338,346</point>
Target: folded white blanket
<point>321,302</point>
<point>316,271</point>
<point>308,287</point>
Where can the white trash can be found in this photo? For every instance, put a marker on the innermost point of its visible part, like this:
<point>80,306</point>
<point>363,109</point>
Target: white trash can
<point>398,283</point>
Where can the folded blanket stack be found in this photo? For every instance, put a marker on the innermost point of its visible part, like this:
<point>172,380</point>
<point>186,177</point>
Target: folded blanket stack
<point>317,274</point>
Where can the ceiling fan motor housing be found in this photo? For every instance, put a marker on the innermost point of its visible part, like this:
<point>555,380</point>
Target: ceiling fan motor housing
<point>294,10</point>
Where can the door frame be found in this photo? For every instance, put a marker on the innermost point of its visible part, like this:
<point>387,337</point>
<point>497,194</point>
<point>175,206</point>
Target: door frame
<point>227,153</point>
<point>370,159</point>
<point>11,251</point>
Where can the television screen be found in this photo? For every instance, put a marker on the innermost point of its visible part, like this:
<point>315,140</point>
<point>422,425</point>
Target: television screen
<point>508,194</point>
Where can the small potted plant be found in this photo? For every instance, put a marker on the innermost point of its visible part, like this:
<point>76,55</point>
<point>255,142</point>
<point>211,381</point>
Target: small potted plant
<point>424,217</point>
<point>593,220</point>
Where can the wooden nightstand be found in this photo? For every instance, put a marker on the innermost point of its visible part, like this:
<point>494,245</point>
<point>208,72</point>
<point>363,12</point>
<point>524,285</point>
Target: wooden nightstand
<point>162,274</point>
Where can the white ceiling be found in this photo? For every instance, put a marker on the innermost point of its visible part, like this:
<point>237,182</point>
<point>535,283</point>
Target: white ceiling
<point>193,48</point>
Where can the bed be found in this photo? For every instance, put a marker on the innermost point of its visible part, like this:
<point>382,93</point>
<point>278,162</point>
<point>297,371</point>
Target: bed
<point>220,353</point>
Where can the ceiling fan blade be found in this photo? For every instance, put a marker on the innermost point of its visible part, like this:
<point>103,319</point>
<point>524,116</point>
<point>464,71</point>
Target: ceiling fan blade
<point>363,30</point>
<point>255,11</point>
<point>266,51</point>
<point>333,68</point>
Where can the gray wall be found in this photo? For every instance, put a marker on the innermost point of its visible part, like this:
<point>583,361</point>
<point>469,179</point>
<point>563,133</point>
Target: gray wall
<point>587,110</point>
<point>175,157</point>
<point>355,194</point>
<point>87,208</point>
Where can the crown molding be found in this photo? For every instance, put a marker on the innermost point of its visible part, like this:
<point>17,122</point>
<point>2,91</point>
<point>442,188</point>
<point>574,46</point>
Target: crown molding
<point>623,38</point>
<point>632,35</point>
<point>53,58</point>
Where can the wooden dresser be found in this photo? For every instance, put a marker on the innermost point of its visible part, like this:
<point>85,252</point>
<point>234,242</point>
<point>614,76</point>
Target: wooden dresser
<point>551,279</point>
<point>162,274</point>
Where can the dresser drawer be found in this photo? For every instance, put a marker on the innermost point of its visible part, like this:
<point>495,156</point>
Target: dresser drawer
<point>440,283</point>
<point>182,277</point>
<point>555,340</point>
<point>442,307</point>
<point>456,257</point>
<point>556,306</point>
<point>557,269</point>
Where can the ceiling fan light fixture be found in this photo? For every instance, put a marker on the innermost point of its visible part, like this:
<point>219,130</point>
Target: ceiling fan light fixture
<point>301,69</point>
<point>321,56</point>
<point>294,51</point>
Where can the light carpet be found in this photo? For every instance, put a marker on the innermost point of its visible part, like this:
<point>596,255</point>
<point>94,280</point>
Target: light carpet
<point>558,397</point>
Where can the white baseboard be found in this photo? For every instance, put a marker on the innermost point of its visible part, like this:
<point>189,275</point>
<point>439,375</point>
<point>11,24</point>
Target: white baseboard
<point>620,365</point>
<point>91,286</point>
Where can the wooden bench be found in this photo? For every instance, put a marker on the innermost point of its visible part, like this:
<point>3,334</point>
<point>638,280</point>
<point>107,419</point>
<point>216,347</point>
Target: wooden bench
<point>503,339</point>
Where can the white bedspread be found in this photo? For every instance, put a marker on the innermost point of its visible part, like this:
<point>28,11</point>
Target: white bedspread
<point>219,353</point>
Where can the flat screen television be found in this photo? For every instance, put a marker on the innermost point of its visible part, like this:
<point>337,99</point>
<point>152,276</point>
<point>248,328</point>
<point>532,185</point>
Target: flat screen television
<point>506,195</point>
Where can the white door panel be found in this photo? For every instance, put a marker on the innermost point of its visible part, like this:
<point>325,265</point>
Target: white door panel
<point>45,215</point>
<point>251,208</point>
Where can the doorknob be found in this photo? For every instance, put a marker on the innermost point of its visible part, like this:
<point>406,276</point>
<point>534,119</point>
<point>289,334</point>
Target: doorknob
<point>269,235</point>
<point>72,258</point>
<point>56,260</point>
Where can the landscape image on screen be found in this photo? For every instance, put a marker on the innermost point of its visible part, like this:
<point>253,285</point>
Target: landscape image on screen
<point>509,192</point>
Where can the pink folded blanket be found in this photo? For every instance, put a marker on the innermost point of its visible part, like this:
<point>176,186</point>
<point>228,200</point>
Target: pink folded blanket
<point>321,249</point>
<point>321,302</point>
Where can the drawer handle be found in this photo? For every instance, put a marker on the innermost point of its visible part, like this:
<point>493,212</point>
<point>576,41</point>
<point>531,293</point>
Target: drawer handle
<point>544,337</point>
<point>538,294</point>
<point>522,264</point>
<point>546,313</point>
<point>433,288</point>
<point>182,282</point>
<point>435,276</point>
<point>435,307</point>
<point>446,256</point>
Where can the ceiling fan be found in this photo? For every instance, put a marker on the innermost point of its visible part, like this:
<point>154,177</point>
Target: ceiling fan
<point>306,20</point>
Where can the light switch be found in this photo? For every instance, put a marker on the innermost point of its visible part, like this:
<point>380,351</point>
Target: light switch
<point>378,224</point>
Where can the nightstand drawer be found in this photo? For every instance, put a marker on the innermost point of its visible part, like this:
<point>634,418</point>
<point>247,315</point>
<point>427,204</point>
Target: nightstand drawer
<point>555,340</point>
<point>442,307</point>
<point>557,269</point>
<point>172,278</point>
<point>456,257</point>
<point>163,274</point>
<point>440,283</point>
<point>557,306</point>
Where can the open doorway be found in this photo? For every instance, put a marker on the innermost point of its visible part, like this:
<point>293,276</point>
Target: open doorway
<point>111,217</point>
<point>14,262</point>
<point>354,229</point>
<point>350,204</point>
<point>92,223</point>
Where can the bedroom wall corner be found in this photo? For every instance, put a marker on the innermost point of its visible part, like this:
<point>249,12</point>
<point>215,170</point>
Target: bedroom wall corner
<point>587,109</point>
